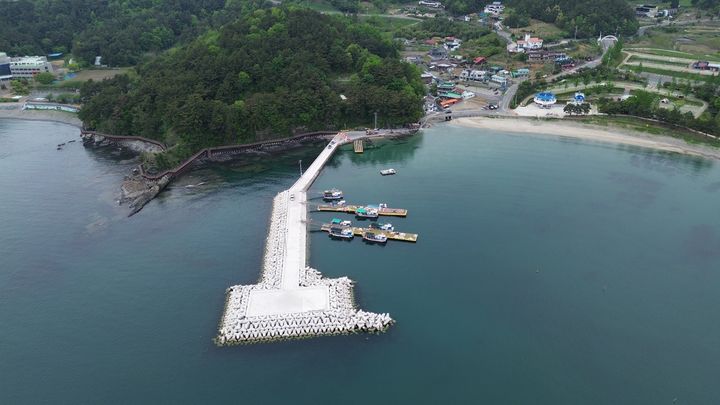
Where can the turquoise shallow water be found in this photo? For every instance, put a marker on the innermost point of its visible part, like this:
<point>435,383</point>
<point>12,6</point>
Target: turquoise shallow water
<point>548,271</point>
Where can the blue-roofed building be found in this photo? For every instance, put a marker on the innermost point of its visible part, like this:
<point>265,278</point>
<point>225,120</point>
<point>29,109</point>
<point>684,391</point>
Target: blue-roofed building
<point>545,99</point>
<point>578,98</point>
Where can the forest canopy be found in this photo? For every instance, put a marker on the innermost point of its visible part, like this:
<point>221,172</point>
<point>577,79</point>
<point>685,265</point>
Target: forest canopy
<point>119,31</point>
<point>590,17</point>
<point>269,74</point>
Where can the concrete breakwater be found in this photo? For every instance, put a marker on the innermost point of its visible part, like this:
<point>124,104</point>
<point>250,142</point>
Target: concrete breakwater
<point>292,300</point>
<point>256,313</point>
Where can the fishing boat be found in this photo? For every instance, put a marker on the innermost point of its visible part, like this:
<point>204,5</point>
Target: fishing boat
<point>382,226</point>
<point>366,212</point>
<point>339,222</point>
<point>332,194</point>
<point>386,172</point>
<point>338,232</point>
<point>374,237</point>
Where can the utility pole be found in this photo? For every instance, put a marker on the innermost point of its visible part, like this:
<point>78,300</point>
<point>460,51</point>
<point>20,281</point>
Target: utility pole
<point>576,32</point>
<point>376,127</point>
<point>300,163</point>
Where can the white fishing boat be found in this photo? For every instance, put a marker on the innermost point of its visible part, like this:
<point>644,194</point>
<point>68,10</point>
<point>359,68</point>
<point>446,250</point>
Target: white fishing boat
<point>387,172</point>
<point>373,237</point>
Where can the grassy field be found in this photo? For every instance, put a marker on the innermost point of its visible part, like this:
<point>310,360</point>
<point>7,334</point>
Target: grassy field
<point>663,52</point>
<point>676,101</point>
<point>97,74</point>
<point>85,75</point>
<point>589,91</point>
<point>693,42</point>
<point>671,73</point>
<point>635,58</point>
<point>539,29</point>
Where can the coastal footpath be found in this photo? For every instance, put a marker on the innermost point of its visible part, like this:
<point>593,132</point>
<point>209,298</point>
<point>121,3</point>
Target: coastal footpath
<point>292,300</point>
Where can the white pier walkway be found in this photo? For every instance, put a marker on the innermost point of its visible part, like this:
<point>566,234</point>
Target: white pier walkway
<point>291,297</point>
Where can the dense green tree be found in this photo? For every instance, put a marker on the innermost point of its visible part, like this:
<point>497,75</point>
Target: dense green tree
<point>590,17</point>
<point>273,73</point>
<point>119,31</point>
<point>20,87</point>
<point>45,78</point>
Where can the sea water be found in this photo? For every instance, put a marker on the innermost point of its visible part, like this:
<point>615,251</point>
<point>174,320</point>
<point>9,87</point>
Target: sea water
<point>548,271</point>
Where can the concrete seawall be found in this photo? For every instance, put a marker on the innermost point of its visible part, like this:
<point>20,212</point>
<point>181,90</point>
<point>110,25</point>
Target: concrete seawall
<point>292,300</point>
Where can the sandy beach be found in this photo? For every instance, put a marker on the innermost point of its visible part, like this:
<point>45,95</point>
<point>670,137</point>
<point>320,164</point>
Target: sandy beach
<point>40,115</point>
<point>588,132</point>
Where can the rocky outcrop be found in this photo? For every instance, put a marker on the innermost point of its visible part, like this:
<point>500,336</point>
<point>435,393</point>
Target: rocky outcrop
<point>137,144</point>
<point>137,190</point>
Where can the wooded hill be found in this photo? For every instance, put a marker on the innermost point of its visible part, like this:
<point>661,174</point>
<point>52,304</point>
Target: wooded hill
<point>119,31</point>
<point>271,73</point>
<point>591,17</point>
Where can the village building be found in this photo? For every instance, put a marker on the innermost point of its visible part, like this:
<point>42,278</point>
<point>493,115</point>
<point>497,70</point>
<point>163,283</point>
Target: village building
<point>5,73</point>
<point>542,56</point>
<point>529,43</point>
<point>26,67</point>
<point>480,60</point>
<point>522,72</point>
<point>430,4</point>
<point>501,80</point>
<point>438,53</point>
<point>705,65</point>
<point>452,44</point>
<point>646,10</point>
<point>476,75</point>
<point>495,9</point>
<point>427,77</point>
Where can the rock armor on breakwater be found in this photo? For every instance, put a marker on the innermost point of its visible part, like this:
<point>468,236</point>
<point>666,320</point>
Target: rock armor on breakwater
<point>341,317</point>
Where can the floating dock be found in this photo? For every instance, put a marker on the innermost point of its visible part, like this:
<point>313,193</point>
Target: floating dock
<point>350,209</point>
<point>393,235</point>
<point>358,146</point>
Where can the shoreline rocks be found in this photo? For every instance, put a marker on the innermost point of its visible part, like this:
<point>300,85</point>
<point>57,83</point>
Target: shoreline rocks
<point>96,140</point>
<point>138,191</point>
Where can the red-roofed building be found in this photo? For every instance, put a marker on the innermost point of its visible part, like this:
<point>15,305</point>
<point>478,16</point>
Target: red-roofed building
<point>479,60</point>
<point>530,43</point>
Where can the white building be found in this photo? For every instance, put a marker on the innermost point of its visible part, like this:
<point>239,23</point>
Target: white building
<point>530,43</point>
<point>29,66</point>
<point>5,74</point>
<point>477,75</point>
<point>50,106</point>
<point>431,4</point>
<point>501,80</point>
<point>452,44</point>
<point>496,8</point>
